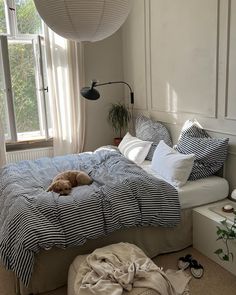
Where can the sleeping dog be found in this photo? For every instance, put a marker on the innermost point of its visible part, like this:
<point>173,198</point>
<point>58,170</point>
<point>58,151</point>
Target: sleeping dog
<point>63,182</point>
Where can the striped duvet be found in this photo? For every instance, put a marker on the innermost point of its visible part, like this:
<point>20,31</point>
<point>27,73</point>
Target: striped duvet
<point>122,195</point>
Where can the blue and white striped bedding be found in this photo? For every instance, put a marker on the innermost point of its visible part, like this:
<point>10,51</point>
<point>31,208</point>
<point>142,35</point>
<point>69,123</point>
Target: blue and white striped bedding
<point>122,195</point>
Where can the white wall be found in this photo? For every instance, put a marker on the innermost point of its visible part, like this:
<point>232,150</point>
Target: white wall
<point>180,57</point>
<point>103,61</point>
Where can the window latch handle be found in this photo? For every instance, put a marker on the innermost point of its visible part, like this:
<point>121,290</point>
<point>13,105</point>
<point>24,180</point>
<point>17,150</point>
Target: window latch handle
<point>46,89</point>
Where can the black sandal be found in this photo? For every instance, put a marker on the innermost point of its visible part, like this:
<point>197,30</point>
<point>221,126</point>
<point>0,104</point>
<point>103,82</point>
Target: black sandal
<point>196,269</point>
<point>184,262</point>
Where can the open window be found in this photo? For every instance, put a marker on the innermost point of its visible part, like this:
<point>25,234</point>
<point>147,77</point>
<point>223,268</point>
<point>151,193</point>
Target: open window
<point>23,82</point>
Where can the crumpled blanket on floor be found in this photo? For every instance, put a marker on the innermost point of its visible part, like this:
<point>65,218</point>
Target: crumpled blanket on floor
<point>113,269</point>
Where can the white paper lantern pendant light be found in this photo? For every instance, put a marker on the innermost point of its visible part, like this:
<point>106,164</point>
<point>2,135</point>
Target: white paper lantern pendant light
<point>84,20</point>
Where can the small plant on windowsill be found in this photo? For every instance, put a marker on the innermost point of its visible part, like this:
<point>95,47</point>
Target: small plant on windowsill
<point>119,117</point>
<point>228,233</point>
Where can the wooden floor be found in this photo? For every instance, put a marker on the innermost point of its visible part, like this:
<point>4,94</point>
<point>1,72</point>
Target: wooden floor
<point>216,280</point>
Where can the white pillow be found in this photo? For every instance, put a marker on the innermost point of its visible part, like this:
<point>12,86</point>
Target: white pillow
<point>173,166</point>
<point>134,149</point>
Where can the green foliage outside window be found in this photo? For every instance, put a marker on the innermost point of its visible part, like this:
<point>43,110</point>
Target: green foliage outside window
<point>28,20</point>
<point>3,119</point>
<point>22,66</point>
<point>24,88</point>
<point>2,93</point>
<point>3,28</point>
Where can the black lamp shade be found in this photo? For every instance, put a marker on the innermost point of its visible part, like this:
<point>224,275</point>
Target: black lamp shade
<point>90,93</point>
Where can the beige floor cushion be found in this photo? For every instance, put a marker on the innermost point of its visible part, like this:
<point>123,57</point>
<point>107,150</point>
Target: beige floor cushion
<point>74,269</point>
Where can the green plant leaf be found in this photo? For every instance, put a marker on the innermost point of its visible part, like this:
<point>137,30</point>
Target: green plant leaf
<point>218,251</point>
<point>226,257</point>
<point>227,234</point>
<point>224,233</point>
<point>219,231</point>
<point>232,234</point>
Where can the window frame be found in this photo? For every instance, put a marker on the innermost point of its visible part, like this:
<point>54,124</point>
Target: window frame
<point>40,87</point>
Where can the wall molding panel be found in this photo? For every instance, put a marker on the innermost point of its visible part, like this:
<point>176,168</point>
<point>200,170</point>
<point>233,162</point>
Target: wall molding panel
<point>134,49</point>
<point>185,57</point>
<point>207,47</point>
<point>230,102</point>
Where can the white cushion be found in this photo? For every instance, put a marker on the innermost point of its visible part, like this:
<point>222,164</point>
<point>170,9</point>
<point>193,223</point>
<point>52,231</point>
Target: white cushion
<point>173,166</point>
<point>134,149</point>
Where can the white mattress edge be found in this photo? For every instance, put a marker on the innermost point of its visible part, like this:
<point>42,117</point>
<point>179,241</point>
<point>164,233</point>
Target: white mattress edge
<point>198,192</point>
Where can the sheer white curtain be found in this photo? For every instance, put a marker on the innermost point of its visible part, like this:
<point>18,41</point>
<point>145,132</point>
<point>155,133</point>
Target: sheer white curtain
<point>65,75</point>
<point>2,146</point>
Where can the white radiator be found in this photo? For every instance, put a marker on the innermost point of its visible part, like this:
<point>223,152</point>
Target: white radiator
<point>32,154</point>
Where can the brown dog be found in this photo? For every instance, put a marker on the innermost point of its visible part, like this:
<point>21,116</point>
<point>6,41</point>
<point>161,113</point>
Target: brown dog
<point>63,182</point>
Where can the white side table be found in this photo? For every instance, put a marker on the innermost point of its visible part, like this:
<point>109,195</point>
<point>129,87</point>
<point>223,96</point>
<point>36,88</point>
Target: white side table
<point>205,222</point>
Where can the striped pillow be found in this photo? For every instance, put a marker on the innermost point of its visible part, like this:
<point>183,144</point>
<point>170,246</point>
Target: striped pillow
<point>149,130</point>
<point>210,153</point>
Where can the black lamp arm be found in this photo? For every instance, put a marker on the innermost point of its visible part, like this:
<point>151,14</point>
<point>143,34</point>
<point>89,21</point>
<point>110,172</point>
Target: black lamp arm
<point>94,84</point>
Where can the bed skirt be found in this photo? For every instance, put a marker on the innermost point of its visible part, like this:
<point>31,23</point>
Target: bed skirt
<point>51,266</point>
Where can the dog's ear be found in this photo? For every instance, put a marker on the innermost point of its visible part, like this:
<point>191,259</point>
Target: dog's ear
<point>50,188</point>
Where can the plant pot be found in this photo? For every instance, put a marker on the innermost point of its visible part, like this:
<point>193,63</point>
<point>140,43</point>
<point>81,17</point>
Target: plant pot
<point>117,141</point>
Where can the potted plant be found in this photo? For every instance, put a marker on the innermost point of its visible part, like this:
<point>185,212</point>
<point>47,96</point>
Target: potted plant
<point>226,234</point>
<point>119,117</point>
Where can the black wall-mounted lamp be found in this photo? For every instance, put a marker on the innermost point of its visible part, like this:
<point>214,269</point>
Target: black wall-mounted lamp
<point>92,94</point>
